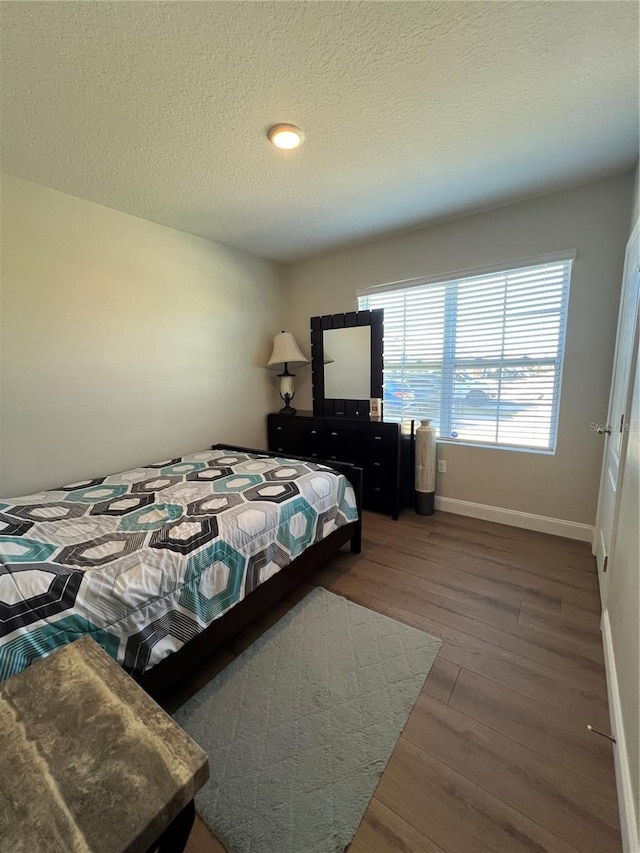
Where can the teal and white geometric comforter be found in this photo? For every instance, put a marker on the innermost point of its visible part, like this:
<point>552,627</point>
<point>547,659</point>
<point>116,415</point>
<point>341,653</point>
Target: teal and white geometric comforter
<point>145,560</point>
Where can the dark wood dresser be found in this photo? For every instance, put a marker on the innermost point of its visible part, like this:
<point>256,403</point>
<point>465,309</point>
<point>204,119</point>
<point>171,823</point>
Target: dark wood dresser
<point>383,449</point>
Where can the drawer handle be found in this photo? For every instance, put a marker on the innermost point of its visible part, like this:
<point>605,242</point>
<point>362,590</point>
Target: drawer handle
<point>376,489</point>
<point>377,464</point>
<point>314,432</point>
<point>333,457</point>
<point>377,438</point>
<point>279,428</point>
<point>334,434</point>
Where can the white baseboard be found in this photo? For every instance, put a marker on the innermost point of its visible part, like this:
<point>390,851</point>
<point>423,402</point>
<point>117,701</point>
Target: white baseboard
<point>626,804</point>
<point>527,520</point>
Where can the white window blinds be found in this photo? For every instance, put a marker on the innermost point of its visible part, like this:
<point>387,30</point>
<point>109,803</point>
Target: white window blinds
<point>481,355</point>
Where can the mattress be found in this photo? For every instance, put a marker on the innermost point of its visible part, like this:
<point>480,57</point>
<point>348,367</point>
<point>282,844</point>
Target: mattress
<point>145,560</point>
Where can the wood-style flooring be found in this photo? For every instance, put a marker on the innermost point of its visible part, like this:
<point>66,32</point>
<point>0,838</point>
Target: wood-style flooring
<point>495,755</point>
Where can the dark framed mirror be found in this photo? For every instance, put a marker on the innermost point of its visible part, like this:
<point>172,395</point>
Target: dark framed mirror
<point>346,362</point>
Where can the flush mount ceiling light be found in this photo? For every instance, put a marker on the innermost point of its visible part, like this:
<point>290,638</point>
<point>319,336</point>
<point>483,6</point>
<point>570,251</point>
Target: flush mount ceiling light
<point>285,136</point>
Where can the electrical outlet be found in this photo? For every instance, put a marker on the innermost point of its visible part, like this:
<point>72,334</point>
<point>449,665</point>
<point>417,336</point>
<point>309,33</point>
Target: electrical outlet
<point>442,466</point>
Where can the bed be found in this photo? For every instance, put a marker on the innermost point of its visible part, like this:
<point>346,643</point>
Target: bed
<point>163,563</point>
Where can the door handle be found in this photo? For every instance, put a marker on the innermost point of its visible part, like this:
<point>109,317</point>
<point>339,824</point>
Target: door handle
<point>602,430</point>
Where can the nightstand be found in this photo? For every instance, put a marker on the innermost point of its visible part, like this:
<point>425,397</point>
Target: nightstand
<point>89,762</point>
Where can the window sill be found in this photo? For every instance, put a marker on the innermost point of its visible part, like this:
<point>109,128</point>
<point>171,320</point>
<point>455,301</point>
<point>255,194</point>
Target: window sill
<point>538,451</point>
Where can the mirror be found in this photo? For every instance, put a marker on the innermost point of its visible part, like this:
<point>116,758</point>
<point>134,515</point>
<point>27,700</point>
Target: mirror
<point>347,363</point>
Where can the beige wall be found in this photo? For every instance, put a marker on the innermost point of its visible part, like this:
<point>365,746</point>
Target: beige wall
<point>594,219</point>
<point>123,342</point>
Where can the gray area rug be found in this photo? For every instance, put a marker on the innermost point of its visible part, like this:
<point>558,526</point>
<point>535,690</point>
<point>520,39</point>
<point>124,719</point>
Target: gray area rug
<point>300,726</point>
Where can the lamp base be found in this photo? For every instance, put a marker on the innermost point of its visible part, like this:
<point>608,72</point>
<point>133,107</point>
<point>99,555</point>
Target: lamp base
<point>287,396</point>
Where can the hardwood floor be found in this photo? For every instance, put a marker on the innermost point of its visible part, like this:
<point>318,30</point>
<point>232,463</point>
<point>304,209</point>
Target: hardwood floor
<point>495,755</point>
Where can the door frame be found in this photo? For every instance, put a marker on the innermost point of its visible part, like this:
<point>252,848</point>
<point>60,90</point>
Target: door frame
<point>629,263</point>
<point>627,806</point>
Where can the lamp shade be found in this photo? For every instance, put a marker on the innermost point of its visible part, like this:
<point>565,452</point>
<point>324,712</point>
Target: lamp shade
<point>285,349</point>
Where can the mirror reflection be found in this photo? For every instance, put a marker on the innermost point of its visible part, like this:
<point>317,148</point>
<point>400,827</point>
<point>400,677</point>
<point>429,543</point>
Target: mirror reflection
<point>348,375</point>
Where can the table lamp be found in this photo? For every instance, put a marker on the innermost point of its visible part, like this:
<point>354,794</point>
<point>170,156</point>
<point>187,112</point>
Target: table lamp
<point>286,352</point>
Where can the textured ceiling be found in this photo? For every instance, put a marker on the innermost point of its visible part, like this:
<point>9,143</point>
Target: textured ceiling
<point>413,111</point>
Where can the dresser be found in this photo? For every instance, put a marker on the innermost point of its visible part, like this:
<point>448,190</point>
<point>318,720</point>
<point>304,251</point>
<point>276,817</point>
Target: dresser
<point>383,449</point>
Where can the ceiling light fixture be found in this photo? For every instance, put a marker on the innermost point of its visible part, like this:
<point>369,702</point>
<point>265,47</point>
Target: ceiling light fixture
<point>286,136</point>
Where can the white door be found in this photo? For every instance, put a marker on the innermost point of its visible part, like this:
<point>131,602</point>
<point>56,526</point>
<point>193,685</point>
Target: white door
<point>613,430</point>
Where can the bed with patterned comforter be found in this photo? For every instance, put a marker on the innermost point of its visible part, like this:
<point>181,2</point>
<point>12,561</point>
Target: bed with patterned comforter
<point>145,560</point>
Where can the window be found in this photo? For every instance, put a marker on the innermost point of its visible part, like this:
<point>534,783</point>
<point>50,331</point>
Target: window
<point>480,354</point>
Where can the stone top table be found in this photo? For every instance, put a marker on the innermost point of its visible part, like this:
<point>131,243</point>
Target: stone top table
<point>89,762</point>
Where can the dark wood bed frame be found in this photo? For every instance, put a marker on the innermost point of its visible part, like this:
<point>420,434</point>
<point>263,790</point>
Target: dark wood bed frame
<point>160,677</point>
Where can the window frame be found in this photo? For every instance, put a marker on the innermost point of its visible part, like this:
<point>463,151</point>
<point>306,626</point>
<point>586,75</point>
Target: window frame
<point>449,365</point>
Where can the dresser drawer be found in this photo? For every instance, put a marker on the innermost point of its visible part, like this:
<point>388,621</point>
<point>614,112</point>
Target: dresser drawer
<point>381,442</point>
<point>379,479</point>
<point>289,448</point>
<point>378,434</point>
<point>379,472</point>
<point>288,428</point>
<point>377,496</point>
<point>299,437</point>
<point>342,441</point>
